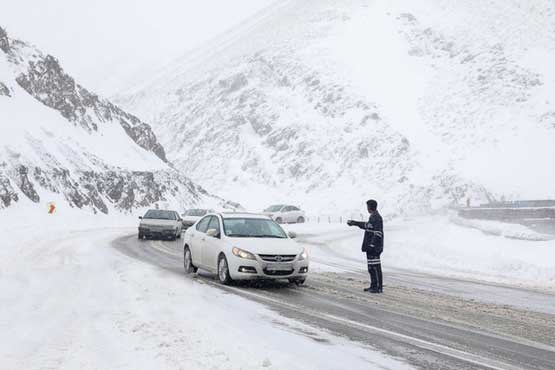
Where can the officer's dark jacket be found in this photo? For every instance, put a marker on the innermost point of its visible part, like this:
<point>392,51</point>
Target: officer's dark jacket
<point>373,236</point>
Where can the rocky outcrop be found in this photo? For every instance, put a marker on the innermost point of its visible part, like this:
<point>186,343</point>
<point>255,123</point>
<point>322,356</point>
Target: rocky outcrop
<point>100,191</point>
<point>47,82</point>
<point>27,186</point>
<point>8,194</point>
<point>4,41</point>
<point>43,77</point>
<point>4,90</point>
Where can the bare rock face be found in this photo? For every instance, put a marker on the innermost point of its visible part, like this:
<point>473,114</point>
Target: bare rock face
<point>27,186</point>
<point>4,41</point>
<point>43,77</point>
<point>8,194</point>
<point>100,191</point>
<point>47,82</point>
<point>4,90</point>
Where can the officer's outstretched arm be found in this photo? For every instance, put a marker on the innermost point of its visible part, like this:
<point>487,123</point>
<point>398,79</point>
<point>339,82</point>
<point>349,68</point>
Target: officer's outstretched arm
<point>359,224</point>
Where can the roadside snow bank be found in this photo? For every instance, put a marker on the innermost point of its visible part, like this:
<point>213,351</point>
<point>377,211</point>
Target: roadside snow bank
<point>512,231</point>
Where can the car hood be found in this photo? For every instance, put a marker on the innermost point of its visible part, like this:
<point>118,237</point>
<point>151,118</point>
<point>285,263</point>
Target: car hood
<point>266,245</point>
<point>156,222</point>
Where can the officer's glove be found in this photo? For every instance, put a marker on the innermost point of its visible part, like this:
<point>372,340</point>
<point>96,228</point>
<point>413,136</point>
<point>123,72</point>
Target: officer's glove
<point>350,222</point>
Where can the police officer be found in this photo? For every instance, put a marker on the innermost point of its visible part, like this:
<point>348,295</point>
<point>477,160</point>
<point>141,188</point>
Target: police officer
<point>372,245</point>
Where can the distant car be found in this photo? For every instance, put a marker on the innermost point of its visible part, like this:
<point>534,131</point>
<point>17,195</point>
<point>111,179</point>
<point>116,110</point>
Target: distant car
<point>242,246</point>
<point>160,224</point>
<point>285,214</point>
<point>193,215</point>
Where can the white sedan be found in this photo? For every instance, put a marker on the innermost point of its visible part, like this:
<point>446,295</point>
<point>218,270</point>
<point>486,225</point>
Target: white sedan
<point>285,214</point>
<point>193,215</point>
<point>242,246</point>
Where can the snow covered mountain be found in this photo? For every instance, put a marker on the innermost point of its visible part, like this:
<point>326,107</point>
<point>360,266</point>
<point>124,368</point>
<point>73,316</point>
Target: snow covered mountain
<point>419,104</point>
<point>60,142</point>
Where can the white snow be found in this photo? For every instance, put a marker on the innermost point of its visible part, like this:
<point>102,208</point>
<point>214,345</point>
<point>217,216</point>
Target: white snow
<point>69,300</point>
<point>465,85</point>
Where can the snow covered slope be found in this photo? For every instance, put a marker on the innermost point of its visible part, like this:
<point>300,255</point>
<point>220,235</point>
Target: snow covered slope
<point>420,104</point>
<point>60,142</point>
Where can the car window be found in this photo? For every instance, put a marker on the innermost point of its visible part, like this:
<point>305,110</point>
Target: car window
<point>160,215</point>
<point>275,208</point>
<point>253,228</point>
<point>214,224</point>
<point>197,212</point>
<point>295,209</point>
<point>202,226</point>
<point>287,209</point>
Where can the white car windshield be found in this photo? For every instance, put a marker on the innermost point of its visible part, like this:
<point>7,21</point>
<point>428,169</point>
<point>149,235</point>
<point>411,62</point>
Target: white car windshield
<point>253,228</point>
<point>160,215</point>
<point>196,212</point>
<point>273,208</point>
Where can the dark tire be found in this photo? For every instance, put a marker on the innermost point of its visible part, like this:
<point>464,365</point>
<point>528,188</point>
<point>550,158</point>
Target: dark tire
<point>279,220</point>
<point>188,261</point>
<point>300,220</point>
<point>297,281</point>
<point>223,271</point>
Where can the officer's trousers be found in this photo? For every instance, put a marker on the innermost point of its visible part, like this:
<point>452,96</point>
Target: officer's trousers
<point>375,270</point>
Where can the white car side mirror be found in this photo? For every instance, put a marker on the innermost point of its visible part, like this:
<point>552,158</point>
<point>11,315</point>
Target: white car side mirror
<point>292,235</point>
<point>213,233</point>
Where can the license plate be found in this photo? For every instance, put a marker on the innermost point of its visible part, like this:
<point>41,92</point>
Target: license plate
<point>279,267</point>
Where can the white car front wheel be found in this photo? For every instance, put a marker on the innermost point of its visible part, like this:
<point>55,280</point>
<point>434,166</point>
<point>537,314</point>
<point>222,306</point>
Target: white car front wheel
<point>223,271</point>
<point>188,262</point>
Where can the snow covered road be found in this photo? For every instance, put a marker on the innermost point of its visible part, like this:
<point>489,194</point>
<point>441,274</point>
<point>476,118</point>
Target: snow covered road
<point>95,297</point>
<point>426,327</point>
<point>69,300</point>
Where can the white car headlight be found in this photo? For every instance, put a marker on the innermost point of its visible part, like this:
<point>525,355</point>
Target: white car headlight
<point>243,254</point>
<point>304,255</point>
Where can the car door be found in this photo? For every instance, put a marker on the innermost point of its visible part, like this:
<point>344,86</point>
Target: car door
<point>177,221</point>
<point>178,218</point>
<point>287,218</point>
<point>212,245</point>
<point>295,213</point>
<point>197,240</point>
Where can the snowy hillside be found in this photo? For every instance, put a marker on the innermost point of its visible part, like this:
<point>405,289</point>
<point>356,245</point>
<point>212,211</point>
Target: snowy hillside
<point>60,142</point>
<point>327,103</point>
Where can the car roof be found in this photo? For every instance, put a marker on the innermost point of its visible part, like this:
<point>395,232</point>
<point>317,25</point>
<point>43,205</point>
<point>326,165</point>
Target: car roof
<point>243,215</point>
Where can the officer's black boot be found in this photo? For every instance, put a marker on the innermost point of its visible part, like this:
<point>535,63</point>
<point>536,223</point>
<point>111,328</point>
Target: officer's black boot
<point>373,279</point>
<point>379,286</point>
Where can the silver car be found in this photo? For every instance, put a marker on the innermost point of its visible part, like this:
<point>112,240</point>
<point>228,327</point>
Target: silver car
<point>160,224</point>
<point>285,214</point>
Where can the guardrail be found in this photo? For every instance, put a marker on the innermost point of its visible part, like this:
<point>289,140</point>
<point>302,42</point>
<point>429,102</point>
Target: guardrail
<point>335,219</point>
<point>508,214</point>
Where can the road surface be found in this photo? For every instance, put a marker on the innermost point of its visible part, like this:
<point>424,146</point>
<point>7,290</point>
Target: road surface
<point>430,321</point>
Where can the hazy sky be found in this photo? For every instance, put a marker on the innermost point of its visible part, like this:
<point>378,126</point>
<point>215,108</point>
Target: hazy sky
<point>104,42</point>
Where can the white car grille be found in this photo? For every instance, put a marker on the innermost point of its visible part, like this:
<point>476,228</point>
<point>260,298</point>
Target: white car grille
<point>159,227</point>
<point>277,257</point>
